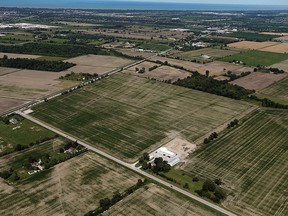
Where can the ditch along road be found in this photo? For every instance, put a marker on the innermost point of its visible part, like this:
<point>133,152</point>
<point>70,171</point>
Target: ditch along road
<point>127,165</point>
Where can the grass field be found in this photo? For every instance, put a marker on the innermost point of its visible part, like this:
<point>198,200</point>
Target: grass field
<point>154,46</point>
<point>73,187</point>
<point>152,200</point>
<point>125,115</point>
<point>51,58</point>
<point>250,36</point>
<point>252,162</point>
<point>27,133</point>
<point>214,53</point>
<point>254,58</point>
<point>277,92</point>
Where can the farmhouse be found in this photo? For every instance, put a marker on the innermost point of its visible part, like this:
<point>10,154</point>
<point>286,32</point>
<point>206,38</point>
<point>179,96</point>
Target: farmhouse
<point>13,121</point>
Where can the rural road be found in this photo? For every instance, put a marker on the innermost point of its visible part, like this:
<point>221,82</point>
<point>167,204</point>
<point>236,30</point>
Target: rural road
<point>127,165</point>
<point>59,93</point>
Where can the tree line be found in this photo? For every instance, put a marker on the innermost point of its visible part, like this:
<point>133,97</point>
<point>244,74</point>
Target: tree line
<point>33,64</point>
<point>268,103</point>
<point>106,203</point>
<point>218,87</point>
<point>211,190</point>
<point>62,50</point>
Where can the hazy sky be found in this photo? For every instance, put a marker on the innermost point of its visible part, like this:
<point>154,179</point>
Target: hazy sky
<point>264,2</point>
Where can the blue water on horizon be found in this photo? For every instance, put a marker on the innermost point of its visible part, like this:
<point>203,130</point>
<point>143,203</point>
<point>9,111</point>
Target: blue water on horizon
<point>123,5</point>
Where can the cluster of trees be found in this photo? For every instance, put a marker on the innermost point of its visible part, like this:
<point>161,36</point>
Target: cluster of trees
<point>20,147</point>
<point>34,64</point>
<point>142,70</point>
<point>106,203</point>
<point>212,136</point>
<point>276,70</point>
<point>144,158</point>
<point>210,85</point>
<point>211,190</point>
<point>233,123</point>
<point>269,103</point>
<point>234,76</point>
<point>153,68</point>
<point>69,145</point>
<point>158,166</point>
<point>6,174</point>
<point>5,119</point>
<point>79,76</point>
<point>63,50</point>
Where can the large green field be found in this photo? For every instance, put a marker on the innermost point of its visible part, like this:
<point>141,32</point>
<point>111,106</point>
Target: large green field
<point>252,162</point>
<point>23,133</point>
<point>213,52</point>
<point>255,58</point>
<point>250,36</point>
<point>276,92</point>
<point>154,46</point>
<point>126,115</point>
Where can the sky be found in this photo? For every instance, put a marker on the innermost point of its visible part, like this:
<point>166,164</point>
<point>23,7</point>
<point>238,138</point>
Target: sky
<point>260,2</point>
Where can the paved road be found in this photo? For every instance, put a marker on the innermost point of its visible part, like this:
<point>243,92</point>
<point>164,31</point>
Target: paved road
<point>127,165</point>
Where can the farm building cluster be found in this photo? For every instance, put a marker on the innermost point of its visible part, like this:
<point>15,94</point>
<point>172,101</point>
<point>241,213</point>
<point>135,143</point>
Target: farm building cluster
<point>171,157</point>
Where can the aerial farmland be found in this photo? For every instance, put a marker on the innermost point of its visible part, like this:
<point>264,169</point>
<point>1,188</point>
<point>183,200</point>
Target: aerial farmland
<point>143,112</point>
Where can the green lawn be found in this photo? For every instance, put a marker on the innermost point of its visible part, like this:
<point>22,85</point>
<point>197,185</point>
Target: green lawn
<point>24,133</point>
<point>154,46</point>
<point>213,52</point>
<point>18,37</point>
<point>125,114</point>
<point>182,178</point>
<point>51,58</point>
<point>254,58</point>
<point>250,36</point>
<point>252,162</point>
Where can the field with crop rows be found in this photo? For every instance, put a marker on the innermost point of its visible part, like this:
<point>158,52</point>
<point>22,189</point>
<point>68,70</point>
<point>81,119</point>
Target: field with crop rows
<point>125,114</point>
<point>153,200</point>
<point>254,58</point>
<point>278,91</point>
<point>252,162</point>
<point>73,187</point>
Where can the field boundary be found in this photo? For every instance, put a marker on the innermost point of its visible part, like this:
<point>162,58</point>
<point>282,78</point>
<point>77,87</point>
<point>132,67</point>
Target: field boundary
<point>222,127</point>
